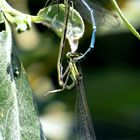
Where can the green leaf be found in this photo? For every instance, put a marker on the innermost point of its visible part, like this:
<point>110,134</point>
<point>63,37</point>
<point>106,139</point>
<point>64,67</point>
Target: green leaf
<point>53,18</point>
<point>18,116</point>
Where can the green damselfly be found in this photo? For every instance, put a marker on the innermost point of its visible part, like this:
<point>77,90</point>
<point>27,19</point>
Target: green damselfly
<point>84,127</point>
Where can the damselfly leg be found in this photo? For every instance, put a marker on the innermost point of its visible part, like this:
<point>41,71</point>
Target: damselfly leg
<point>52,2</point>
<point>63,77</point>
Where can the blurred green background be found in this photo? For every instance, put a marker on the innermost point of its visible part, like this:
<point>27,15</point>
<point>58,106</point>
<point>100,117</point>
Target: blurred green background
<point>111,76</point>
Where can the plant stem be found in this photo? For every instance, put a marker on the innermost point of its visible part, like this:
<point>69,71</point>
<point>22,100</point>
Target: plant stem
<point>127,23</point>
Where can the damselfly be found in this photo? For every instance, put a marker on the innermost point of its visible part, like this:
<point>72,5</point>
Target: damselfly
<point>84,127</point>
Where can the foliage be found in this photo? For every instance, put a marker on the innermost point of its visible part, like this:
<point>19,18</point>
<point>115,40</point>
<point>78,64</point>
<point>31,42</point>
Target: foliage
<point>18,116</point>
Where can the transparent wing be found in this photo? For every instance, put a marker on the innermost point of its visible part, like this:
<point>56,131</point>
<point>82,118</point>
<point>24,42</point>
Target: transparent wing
<point>84,130</point>
<point>102,16</point>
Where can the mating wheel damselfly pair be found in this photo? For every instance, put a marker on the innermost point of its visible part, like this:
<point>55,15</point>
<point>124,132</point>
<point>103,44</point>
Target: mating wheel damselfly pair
<point>85,130</point>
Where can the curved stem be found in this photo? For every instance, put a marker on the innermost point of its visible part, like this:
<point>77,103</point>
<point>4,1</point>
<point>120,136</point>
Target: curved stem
<point>127,23</point>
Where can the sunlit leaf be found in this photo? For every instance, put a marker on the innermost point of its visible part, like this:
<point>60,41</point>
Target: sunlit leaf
<point>53,17</point>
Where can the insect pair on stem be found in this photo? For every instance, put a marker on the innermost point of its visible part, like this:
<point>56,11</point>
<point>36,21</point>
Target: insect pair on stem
<point>84,127</point>
<point>89,11</point>
<point>71,70</point>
